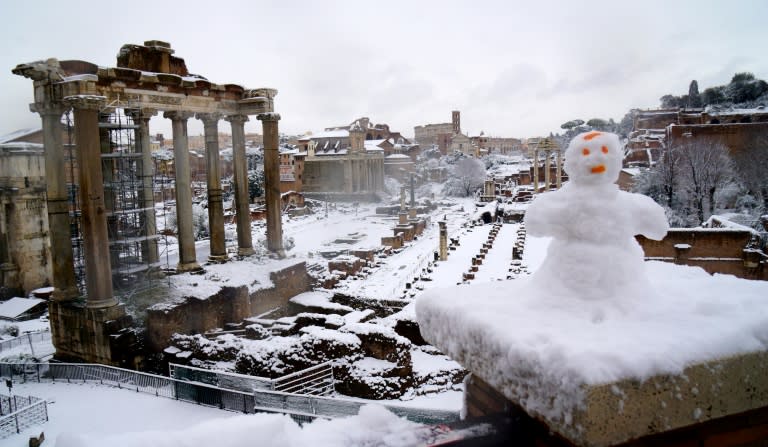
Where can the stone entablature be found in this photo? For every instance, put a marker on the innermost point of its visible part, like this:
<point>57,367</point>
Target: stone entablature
<point>140,87</point>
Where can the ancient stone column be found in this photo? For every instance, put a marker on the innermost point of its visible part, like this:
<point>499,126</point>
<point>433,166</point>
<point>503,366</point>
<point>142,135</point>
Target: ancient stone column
<point>186,236</point>
<point>93,216</point>
<point>215,205</point>
<point>242,202</point>
<point>443,252</point>
<point>348,176</point>
<point>547,174</point>
<point>402,198</point>
<point>272,182</point>
<point>535,171</point>
<point>63,266</point>
<point>149,248</point>
<point>413,192</point>
<point>559,174</point>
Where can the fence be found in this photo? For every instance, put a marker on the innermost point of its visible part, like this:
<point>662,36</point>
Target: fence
<point>39,343</point>
<point>19,413</point>
<point>302,408</point>
<point>315,380</point>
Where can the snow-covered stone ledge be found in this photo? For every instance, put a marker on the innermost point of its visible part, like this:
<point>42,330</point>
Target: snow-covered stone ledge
<point>695,351</point>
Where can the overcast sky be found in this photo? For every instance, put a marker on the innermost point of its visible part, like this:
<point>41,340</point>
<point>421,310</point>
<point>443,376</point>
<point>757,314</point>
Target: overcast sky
<point>513,68</point>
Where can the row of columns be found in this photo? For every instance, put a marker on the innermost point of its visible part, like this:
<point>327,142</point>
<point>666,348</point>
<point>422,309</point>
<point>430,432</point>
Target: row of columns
<point>547,174</point>
<point>363,174</point>
<point>98,274</point>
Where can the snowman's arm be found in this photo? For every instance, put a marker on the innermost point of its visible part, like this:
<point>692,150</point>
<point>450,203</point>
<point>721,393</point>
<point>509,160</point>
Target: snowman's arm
<point>544,215</point>
<point>648,217</point>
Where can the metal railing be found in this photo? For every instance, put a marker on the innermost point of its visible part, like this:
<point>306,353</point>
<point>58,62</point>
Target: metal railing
<point>39,343</point>
<point>315,380</point>
<point>20,413</point>
<point>302,408</point>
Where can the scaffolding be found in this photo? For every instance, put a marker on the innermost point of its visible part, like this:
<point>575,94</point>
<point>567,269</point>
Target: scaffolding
<point>129,201</point>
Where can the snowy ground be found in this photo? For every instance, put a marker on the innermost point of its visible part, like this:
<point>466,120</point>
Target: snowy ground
<point>82,415</point>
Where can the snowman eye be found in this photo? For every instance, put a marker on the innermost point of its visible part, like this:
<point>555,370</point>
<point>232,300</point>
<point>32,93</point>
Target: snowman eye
<point>605,149</point>
<point>585,151</point>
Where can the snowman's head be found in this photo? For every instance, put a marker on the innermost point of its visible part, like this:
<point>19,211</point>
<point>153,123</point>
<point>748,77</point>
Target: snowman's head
<point>593,158</point>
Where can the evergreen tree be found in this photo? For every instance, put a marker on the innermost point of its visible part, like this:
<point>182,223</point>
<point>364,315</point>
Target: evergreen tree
<point>694,99</point>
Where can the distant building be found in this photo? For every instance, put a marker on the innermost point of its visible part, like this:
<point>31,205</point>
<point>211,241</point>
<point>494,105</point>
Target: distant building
<point>655,130</point>
<point>350,159</point>
<point>291,169</point>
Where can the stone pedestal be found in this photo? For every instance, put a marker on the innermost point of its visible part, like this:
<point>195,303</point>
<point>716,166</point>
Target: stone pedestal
<point>93,335</point>
<point>672,366</point>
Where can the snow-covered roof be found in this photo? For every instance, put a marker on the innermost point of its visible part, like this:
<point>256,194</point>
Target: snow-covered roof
<point>15,135</point>
<point>397,156</point>
<point>632,171</point>
<point>15,307</point>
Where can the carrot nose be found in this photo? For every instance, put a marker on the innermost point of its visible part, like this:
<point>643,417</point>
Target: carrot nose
<point>599,169</point>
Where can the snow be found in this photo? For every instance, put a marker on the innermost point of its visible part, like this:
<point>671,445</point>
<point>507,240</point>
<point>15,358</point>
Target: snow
<point>16,306</point>
<point>319,298</point>
<point>18,134</point>
<point>122,418</point>
<point>594,255</point>
<point>560,345</point>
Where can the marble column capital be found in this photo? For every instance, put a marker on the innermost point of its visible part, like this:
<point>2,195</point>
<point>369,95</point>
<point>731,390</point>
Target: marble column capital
<point>141,114</point>
<point>178,115</point>
<point>49,108</point>
<point>268,116</point>
<point>209,118</point>
<point>237,119</point>
<point>85,102</point>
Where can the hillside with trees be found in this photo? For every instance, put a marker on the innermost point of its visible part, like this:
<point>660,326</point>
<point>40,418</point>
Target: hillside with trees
<point>744,90</point>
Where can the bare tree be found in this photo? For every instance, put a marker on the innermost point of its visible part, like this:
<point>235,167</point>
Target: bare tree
<point>706,168</point>
<point>752,165</point>
<point>467,177</point>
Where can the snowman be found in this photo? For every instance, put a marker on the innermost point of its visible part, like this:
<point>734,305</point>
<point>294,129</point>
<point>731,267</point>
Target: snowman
<point>593,256</point>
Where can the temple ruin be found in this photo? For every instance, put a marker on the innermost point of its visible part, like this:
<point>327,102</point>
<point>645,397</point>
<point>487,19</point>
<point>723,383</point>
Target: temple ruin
<point>100,203</point>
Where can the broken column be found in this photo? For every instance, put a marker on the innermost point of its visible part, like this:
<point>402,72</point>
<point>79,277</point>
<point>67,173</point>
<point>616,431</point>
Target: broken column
<point>186,236</point>
<point>63,270</point>
<point>98,271</point>
<point>443,240</point>
<point>547,174</point>
<point>242,202</point>
<point>218,252</point>
<point>535,171</point>
<point>272,182</point>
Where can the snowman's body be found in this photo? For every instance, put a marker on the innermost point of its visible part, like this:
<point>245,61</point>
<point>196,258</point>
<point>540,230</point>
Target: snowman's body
<point>593,254</point>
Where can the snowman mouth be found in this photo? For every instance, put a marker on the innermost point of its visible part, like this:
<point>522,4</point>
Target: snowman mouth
<point>599,169</point>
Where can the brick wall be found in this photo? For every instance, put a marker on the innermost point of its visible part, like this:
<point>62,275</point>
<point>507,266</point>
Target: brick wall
<point>716,250</point>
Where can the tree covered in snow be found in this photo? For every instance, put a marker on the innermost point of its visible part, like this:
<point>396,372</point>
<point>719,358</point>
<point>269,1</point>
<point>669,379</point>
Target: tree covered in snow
<point>199,221</point>
<point>752,165</point>
<point>690,180</point>
<point>255,183</point>
<point>466,177</point>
